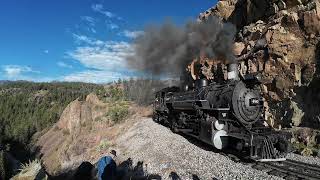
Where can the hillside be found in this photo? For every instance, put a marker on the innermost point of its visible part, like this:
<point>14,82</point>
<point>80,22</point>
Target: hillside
<point>42,118</point>
<point>27,108</point>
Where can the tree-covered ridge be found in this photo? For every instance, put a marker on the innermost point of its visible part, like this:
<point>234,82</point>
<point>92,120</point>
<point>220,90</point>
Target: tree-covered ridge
<point>27,107</point>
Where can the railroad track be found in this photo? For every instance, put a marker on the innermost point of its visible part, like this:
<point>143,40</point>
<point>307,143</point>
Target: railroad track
<point>290,169</point>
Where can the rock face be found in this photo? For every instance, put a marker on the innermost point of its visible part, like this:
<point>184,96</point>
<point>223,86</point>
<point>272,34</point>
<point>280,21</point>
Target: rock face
<point>75,134</point>
<point>79,113</point>
<point>279,39</point>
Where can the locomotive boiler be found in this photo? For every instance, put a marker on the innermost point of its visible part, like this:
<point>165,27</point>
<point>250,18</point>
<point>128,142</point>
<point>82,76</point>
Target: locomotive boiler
<point>226,115</point>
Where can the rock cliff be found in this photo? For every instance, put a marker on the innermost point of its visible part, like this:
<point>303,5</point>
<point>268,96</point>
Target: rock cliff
<point>74,135</point>
<point>279,39</point>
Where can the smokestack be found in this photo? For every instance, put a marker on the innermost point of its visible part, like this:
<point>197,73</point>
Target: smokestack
<point>233,72</point>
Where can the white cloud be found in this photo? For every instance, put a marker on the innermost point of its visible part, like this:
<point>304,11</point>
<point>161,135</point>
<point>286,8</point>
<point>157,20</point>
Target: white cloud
<point>90,20</point>
<point>64,65</point>
<point>93,30</point>
<point>109,55</point>
<point>104,61</point>
<point>95,76</point>
<point>26,73</point>
<point>131,34</point>
<point>99,8</point>
<point>112,26</point>
<point>17,71</point>
<point>85,39</point>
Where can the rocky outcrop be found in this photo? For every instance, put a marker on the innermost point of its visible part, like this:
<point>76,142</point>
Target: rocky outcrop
<point>80,113</point>
<point>74,115</point>
<point>280,40</point>
<point>73,135</point>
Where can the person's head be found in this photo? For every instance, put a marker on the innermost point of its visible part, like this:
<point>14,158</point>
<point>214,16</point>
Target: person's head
<point>85,171</point>
<point>114,153</point>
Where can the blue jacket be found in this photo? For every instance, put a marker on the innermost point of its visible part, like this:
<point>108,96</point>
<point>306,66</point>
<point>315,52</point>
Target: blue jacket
<point>107,168</point>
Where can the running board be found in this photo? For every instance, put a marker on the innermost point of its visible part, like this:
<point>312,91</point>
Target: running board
<point>185,130</point>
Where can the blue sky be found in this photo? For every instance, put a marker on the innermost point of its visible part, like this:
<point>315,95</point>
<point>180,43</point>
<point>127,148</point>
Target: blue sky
<point>79,40</point>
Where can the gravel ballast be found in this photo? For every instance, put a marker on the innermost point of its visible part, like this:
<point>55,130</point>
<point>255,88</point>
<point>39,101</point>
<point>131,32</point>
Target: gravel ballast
<point>168,154</point>
<point>309,160</point>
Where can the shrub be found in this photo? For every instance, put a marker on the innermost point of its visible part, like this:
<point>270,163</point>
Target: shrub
<point>298,147</point>
<point>118,112</point>
<point>103,146</point>
<point>307,151</point>
<point>114,93</point>
<point>31,170</point>
<point>65,132</point>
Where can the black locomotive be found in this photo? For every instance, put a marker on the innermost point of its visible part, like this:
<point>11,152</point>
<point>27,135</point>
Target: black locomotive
<point>227,115</point>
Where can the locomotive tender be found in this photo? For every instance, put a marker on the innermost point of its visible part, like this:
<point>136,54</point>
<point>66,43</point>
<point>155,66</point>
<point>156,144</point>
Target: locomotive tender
<point>226,115</point>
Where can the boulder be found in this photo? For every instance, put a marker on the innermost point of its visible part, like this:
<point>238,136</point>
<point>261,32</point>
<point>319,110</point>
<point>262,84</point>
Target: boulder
<point>254,31</point>
<point>257,9</point>
<point>238,48</point>
<point>225,8</point>
<point>75,114</point>
<point>292,3</point>
<point>307,74</point>
<point>282,5</point>
<point>311,22</point>
<point>297,114</point>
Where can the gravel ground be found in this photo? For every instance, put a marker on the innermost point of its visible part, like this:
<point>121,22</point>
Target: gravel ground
<point>167,154</point>
<point>310,160</point>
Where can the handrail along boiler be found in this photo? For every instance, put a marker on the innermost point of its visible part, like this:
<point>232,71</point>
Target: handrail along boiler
<point>227,115</point>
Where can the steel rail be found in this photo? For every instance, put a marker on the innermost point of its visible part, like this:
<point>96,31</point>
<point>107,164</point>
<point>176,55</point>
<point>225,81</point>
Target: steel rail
<point>314,167</point>
<point>295,168</point>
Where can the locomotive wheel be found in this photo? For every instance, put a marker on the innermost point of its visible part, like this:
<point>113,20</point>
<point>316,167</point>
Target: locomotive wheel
<point>155,117</point>
<point>174,127</point>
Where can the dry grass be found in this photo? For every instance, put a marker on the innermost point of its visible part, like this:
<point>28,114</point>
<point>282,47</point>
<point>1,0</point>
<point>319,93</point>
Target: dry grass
<point>103,146</point>
<point>30,171</point>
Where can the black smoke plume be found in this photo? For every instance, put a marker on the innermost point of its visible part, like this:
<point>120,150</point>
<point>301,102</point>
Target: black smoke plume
<point>167,49</point>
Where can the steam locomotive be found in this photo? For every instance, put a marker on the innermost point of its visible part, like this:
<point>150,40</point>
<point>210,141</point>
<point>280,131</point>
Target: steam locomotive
<point>226,115</point>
